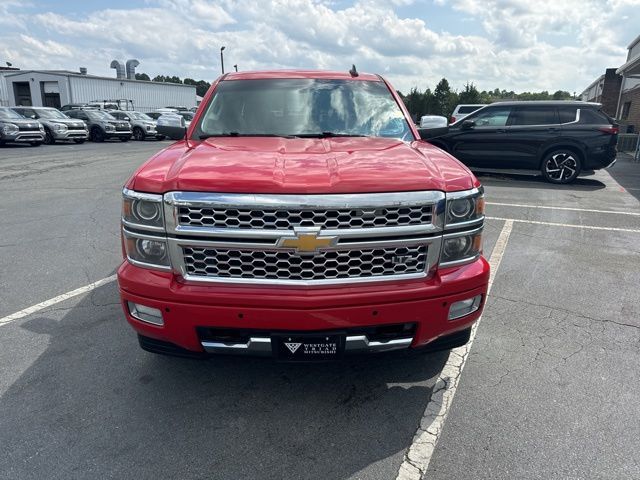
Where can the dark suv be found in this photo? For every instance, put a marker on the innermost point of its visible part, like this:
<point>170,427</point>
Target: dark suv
<point>560,139</point>
<point>102,125</point>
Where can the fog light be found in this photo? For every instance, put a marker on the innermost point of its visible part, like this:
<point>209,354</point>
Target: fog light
<point>145,314</point>
<point>464,307</point>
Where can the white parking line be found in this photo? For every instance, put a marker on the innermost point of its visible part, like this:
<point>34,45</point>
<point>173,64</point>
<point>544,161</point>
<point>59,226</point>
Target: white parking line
<point>417,458</point>
<point>54,300</point>
<point>570,209</point>
<point>569,225</point>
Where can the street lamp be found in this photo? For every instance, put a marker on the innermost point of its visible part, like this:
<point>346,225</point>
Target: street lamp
<point>236,67</point>
<point>222,59</point>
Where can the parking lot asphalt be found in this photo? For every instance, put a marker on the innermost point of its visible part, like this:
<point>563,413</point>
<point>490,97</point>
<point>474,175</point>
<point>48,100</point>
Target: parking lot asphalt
<point>550,388</point>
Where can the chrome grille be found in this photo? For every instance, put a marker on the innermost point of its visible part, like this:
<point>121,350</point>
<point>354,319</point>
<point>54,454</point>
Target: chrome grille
<point>227,263</point>
<point>287,219</point>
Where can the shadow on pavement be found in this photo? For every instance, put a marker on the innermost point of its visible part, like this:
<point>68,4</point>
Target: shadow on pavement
<point>584,184</point>
<point>94,405</point>
<point>627,173</point>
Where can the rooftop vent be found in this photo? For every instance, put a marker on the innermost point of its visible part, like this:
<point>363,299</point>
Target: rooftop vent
<point>83,70</point>
<point>119,68</point>
<point>131,68</point>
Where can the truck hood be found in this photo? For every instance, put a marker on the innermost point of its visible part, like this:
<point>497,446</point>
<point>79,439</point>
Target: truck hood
<point>284,165</point>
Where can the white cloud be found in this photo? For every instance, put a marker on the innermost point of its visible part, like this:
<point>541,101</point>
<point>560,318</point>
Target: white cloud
<point>525,45</point>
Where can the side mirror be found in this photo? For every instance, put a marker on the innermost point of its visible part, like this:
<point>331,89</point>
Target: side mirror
<point>34,116</point>
<point>126,118</point>
<point>433,121</point>
<point>172,126</point>
<point>468,124</point>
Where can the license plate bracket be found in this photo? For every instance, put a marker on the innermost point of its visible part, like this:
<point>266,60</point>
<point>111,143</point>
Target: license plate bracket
<point>309,347</point>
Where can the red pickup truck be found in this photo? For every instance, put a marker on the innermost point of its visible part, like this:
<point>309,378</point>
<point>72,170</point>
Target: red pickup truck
<point>301,217</point>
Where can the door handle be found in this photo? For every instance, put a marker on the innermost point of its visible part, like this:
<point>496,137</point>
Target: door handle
<point>500,130</point>
<point>553,129</point>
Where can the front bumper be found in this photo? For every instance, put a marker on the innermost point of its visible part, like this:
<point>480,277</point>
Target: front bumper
<point>117,133</point>
<point>23,137</point>
<point>71,135</point>
<point>188,309</point>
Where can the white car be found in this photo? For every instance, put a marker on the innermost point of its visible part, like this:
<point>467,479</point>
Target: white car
<point>432,121</point>
<point>462,111</point>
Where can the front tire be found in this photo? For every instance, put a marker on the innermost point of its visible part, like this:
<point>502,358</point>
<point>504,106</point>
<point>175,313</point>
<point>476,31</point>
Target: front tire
<point>97,135</point>
<point>139,134</point>
<point>48,137</point>
<point>561,166</point>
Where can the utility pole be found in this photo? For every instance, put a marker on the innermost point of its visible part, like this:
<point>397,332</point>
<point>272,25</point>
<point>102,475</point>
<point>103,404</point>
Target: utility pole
<point>222,59</point>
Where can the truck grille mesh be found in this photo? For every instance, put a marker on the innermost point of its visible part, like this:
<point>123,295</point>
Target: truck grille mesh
<point>288,219</point>
<point>288,265</point>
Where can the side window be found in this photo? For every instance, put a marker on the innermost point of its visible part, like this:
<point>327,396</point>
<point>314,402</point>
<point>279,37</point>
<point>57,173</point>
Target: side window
<point>493,117</point>
<point>27,112</point>
<point>589,116</point>
<point>535,116</point>
<point>567,114</point>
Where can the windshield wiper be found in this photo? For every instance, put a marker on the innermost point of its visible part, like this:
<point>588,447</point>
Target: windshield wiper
<point>238,134</point>
<point>327,135</point>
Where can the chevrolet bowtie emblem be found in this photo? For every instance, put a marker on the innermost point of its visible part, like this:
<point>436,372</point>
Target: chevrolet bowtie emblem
<point>307,240</point>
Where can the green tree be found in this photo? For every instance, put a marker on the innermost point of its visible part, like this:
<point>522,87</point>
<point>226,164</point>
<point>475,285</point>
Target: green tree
<point>445,99</point>
<point>142,76</point>
<point>469,95</point>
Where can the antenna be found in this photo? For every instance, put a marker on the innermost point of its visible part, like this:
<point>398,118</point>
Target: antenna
<point>353,72</point>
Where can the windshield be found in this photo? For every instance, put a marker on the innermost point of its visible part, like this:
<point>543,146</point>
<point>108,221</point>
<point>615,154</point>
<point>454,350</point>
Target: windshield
<point>139,116</point>
<point>9,114</point>
<point>99,114</point>
<point>51,113</point>
<point>303,107</point>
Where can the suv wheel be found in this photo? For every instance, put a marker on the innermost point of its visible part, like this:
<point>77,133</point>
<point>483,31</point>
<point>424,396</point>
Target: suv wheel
<point>561,166</point>
<point>138,133</point>
<point>97,135</point>
<point>48,137</point>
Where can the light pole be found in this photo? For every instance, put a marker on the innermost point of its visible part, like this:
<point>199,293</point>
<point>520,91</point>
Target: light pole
<point>222,59</point>
<point>236,67</point>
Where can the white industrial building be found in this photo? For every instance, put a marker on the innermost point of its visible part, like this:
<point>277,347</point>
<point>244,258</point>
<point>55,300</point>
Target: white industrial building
<point>55,88</point>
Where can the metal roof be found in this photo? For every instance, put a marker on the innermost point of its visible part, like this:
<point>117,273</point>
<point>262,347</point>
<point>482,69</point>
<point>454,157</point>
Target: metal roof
<point>68,73</point>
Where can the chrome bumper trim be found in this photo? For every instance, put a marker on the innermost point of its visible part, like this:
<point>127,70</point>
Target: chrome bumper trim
<point>261,346</point>
<point>360,343</point>
<point>255,346</point>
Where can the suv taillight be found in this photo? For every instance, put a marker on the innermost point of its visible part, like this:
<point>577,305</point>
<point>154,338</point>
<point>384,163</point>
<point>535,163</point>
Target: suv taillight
<point>452,119</point>
<point>611,130</point>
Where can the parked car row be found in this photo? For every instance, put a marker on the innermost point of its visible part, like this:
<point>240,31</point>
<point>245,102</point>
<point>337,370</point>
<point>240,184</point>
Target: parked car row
<point>77,123</point>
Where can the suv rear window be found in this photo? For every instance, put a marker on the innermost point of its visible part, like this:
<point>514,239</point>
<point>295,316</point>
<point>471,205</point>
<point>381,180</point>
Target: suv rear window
<point>590,116</point>
<point>535,116</point>
<point>567,114</point>
<point>467,109</point>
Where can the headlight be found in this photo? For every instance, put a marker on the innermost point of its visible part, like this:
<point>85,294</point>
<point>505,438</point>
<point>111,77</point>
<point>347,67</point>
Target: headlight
<point>142,210</point>
<point>10,129</point>
<point>60,127</point>
<point>41,127</point>
<point>109,127</point>
<point>459,248</point>
<point>146,250</point>
<point>464,208</point>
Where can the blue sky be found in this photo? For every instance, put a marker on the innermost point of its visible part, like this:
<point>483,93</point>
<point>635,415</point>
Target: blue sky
<point>512,44</point>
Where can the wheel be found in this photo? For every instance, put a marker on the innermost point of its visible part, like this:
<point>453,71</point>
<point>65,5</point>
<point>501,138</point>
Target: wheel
<point>97,135</point>
<point>125,139</point>
<point>48,137</point>
<point>79,140</point>
<point>561,166</point>
<point>36,144</point>
<point>139,134</point>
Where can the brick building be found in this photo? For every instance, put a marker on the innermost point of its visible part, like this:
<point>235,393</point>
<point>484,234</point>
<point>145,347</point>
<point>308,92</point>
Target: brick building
<point>628,111</point>
<point>618,90</point>
<point>605,90</point>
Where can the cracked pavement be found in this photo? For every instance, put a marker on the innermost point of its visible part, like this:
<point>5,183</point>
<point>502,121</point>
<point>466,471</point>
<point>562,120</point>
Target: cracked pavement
<point>550,387</point>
